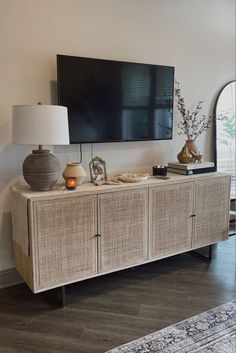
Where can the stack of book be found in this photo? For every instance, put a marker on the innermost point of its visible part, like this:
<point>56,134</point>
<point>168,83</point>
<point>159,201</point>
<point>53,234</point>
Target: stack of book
<point>191,168</point>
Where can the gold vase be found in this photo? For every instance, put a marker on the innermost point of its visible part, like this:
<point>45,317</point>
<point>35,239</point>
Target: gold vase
<point>192,147</point>
<point>188,152</point>
<point>185,156</point>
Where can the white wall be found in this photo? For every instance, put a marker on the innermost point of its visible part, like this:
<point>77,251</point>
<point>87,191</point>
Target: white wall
<point>195,36</point>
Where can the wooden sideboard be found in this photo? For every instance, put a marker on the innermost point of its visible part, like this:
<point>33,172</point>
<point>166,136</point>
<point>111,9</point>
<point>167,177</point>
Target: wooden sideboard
<point>62,236</point>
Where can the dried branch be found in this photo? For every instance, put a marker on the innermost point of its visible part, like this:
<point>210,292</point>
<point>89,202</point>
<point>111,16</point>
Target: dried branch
<point>191,125</point>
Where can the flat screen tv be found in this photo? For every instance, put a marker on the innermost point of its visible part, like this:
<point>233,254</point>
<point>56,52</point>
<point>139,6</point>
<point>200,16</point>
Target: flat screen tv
<point>112,101</point>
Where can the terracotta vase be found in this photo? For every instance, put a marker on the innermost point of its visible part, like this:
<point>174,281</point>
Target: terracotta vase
<point>75,170</point>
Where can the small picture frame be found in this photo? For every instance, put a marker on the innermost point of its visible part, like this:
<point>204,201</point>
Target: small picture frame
<point>97,168</point>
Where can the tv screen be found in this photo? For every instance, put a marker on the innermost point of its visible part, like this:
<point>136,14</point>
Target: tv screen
<point>112,101</point>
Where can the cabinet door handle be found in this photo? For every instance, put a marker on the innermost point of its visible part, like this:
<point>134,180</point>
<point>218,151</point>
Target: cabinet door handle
<point>193,215</point>
<point>97,235</point>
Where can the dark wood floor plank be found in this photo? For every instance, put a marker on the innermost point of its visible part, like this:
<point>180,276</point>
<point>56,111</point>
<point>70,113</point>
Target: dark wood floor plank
<point>107,311</point>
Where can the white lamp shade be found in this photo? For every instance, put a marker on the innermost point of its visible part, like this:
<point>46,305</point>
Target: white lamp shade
<point>40,125</point>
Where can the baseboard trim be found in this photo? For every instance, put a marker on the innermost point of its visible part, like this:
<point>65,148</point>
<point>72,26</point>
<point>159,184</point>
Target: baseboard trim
<point>9,278</point>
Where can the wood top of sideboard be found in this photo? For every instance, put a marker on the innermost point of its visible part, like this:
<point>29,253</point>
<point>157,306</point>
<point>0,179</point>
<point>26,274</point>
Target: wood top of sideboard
<point>90,189</point>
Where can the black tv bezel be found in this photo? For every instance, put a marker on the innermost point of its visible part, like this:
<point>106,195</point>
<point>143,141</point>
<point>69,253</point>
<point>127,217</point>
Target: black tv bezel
<point>121,61</point>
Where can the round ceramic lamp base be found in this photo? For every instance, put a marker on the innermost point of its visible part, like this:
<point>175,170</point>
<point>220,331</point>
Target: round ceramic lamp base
<point>41,170</point>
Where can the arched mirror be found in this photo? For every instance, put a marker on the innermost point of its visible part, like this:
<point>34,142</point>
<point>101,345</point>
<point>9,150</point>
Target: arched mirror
<point>225,133</point>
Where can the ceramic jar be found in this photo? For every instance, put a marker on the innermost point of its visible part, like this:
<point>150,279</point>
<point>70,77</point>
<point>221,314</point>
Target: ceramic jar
<point>75,170</point>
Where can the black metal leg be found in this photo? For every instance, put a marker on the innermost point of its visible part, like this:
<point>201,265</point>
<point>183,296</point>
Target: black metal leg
<point>210,252</point>
<point>63,296</point>
<point>204,257</point>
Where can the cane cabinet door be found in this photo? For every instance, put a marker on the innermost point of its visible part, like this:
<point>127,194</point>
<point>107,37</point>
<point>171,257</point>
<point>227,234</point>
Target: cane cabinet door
<point>171,214</point>
<point>64,239</point>
<point>211,223</point>
<point>122,225</point>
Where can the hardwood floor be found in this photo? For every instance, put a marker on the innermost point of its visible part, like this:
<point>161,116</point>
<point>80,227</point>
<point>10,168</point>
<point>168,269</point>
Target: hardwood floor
<point>107,311</point>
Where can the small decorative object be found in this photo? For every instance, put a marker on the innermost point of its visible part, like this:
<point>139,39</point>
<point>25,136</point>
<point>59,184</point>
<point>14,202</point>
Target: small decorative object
<point>97,168</point>
<point>191,126</point>
<point>132,178</point>
<point>111,181</point>
<point>159,170</point>
<point>75,170</point>
<point>197,157</point>
<point>40,125</point>
<point>70,183</point>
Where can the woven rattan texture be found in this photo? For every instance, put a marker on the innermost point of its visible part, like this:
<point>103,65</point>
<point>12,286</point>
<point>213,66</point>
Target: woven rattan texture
<point>65,241</point>
<point>212,211</point>
<point>20,221</point>
<point>171,221</point>
<point>23,264</point>
<point>123,229</point>
<point>55,238</point>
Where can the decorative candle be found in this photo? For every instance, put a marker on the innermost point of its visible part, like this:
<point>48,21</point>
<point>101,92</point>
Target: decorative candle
<point>70,183</point>
<point>159,170</point>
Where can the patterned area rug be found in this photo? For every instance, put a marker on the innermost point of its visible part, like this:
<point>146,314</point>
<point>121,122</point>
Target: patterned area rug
<point>211,332</point>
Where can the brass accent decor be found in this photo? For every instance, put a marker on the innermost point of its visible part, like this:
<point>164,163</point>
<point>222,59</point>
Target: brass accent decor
<point>185,156</point>
<point>189,153</point>
<point>191,145</point>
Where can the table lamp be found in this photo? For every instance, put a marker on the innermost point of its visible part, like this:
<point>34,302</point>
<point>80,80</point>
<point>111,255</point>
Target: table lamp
<point>40,125</point>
